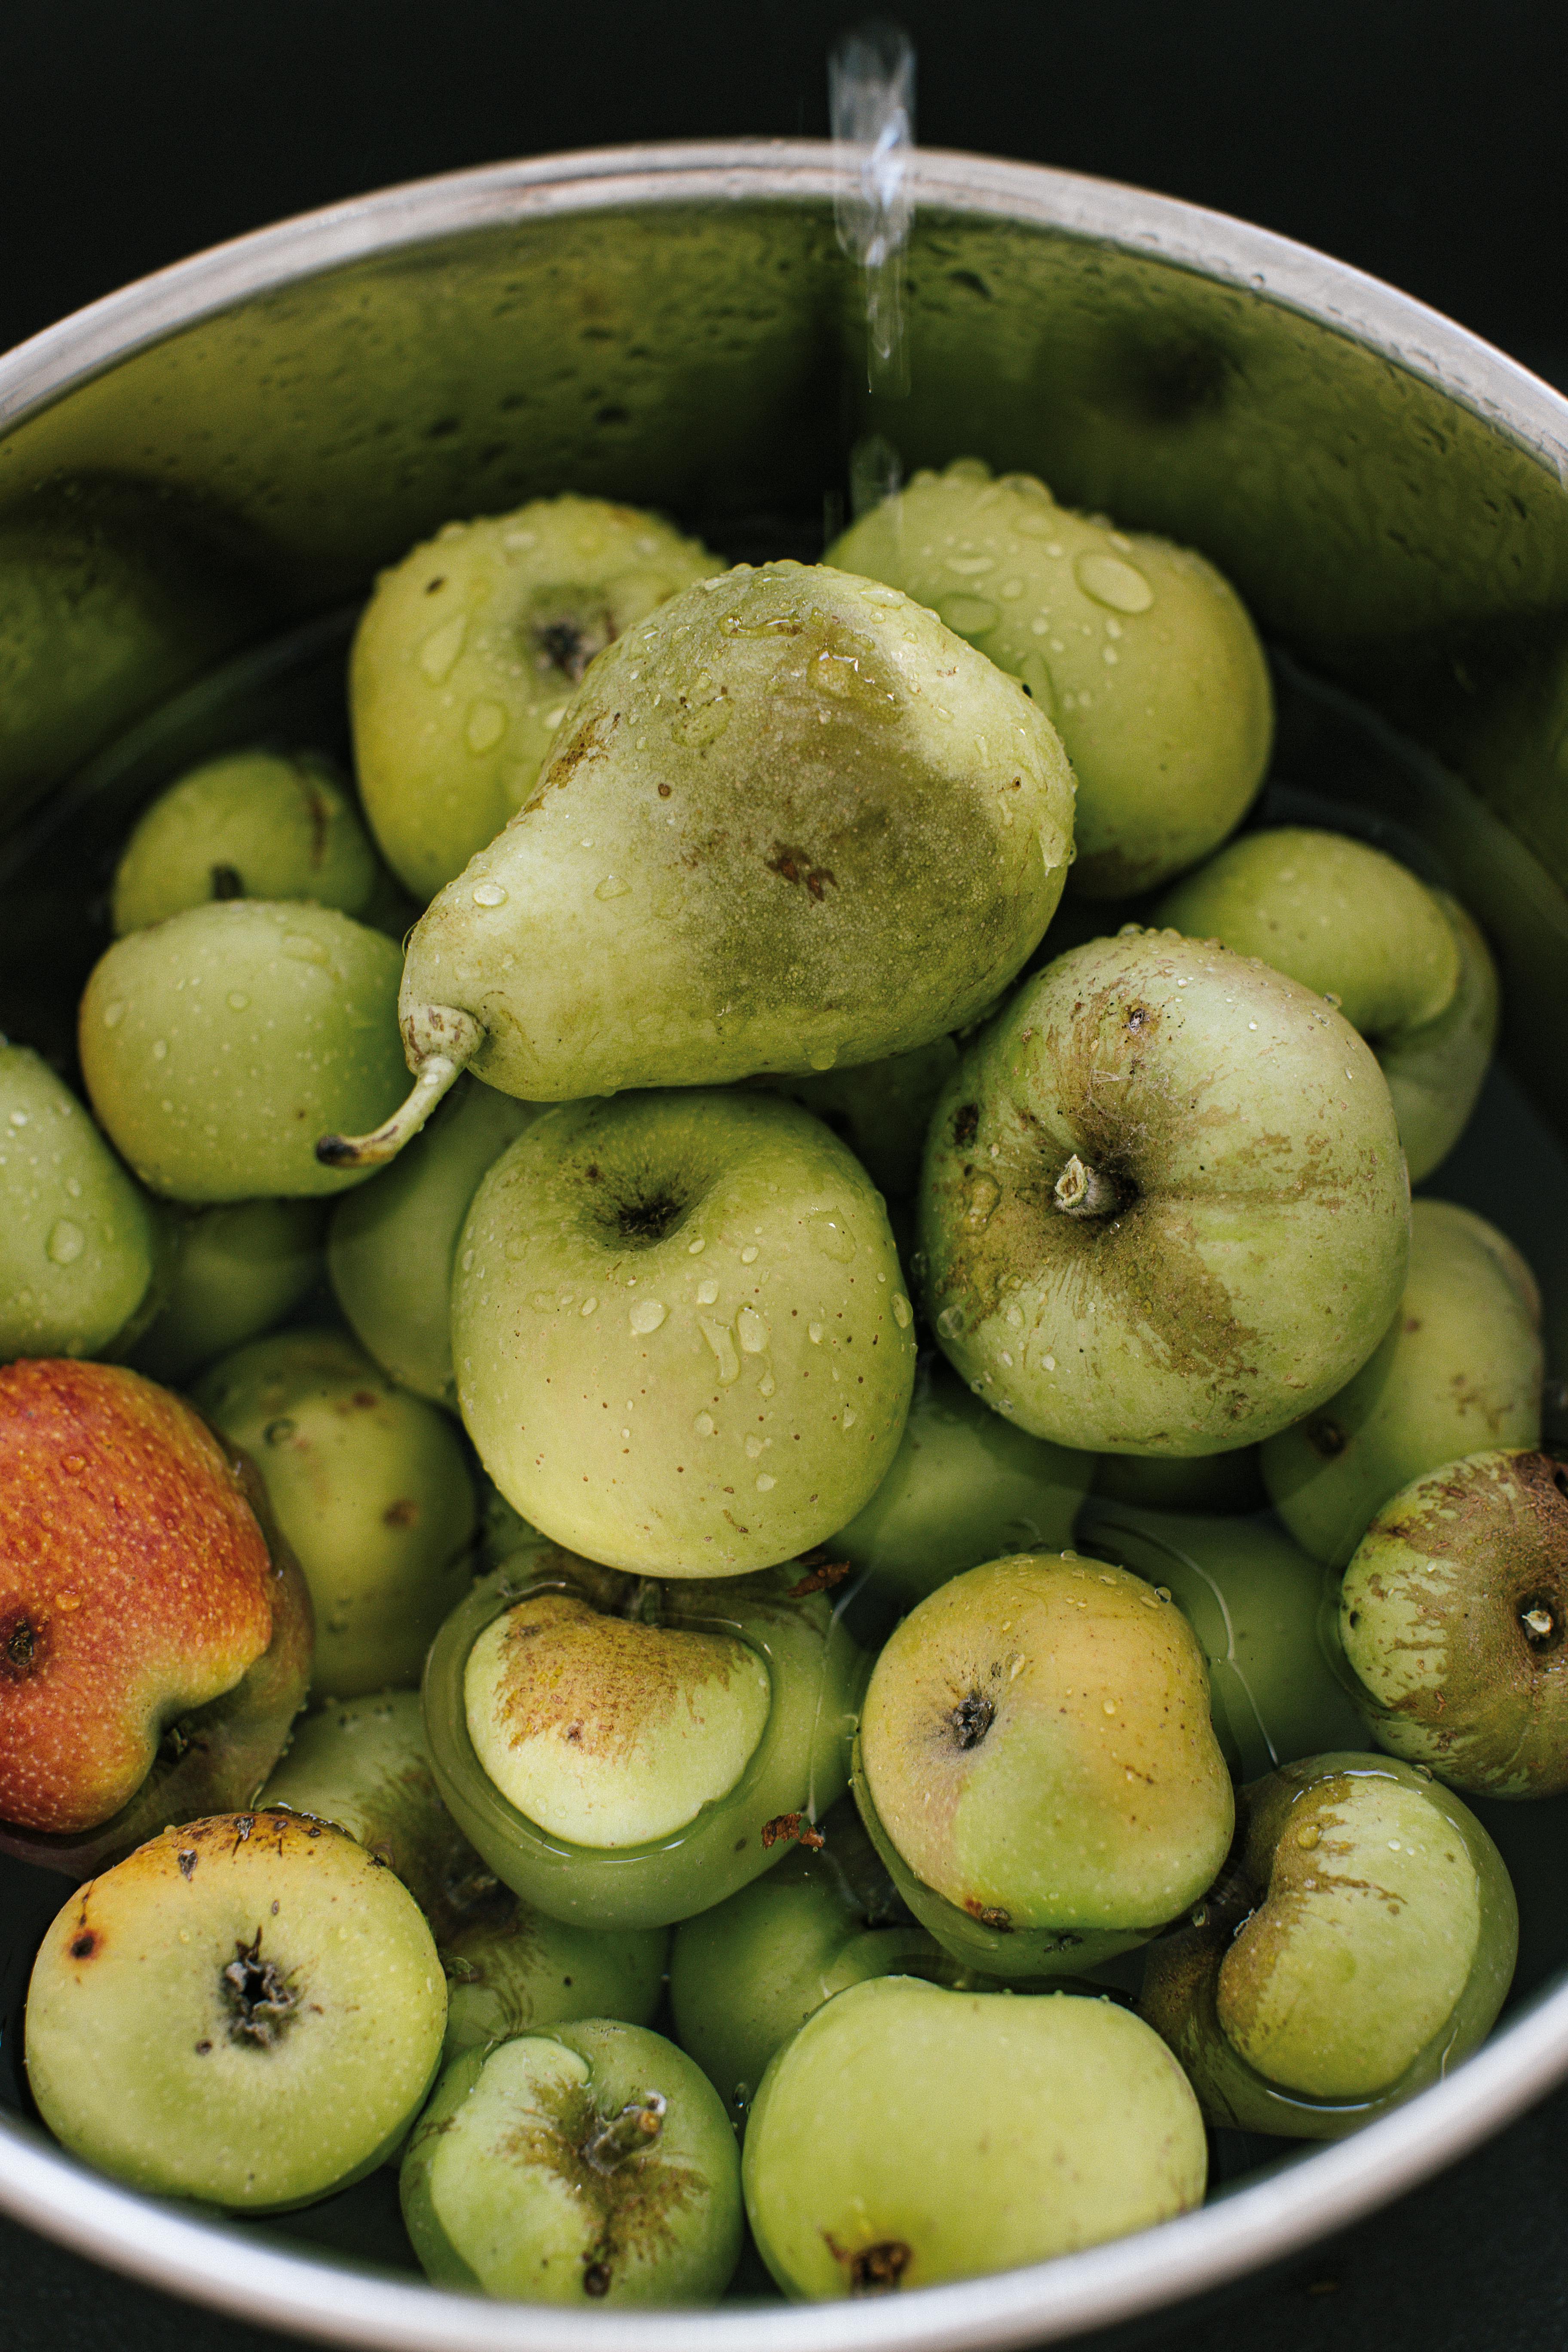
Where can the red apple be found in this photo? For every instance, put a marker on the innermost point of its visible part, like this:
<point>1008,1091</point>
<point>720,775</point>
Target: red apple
<point>154,1633</point>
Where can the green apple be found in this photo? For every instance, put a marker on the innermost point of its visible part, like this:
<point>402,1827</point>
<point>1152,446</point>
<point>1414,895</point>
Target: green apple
<point>469,653</point>
<point>1452,1616</point>
<point>365,1764</point>
<point>1140,653</point>
<point>80,1243</point>
<point>246,2012</point>
<point>235,1271</point>
<point>371,1488</point>
<point>392,1245</point>
<point>591,2164</point>
<point>910,2135</point>
<point>154,1630</point>
<point>1037,1768</point>
<point>1408,964</point>
<point>1252,1597</point>
<point>1165,1208</point>
<point>744,1975</point>
<point>682,1338</point>
<point>1457,1371</point>
<point>251,824</point>
<point>790,822</point>
<point>623,1753</point>
<point>880,1111</point>
<point>964,1486</point>
<point>1360,1945</point>
<point>217,1044</point>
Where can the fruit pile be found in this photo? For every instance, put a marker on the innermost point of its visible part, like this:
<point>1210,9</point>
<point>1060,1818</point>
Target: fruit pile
<point>963,1543</point>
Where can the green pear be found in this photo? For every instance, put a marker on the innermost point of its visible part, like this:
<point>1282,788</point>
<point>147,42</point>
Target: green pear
<point>1406,964</point>
<point>236,1271</point>
<point>1037,1764</point>
<point>626,1753</point>
<point>964,1486</point>
<point>371,1489</point>
<point>252,824</point>
<point>882,1111</point>
<point>1252,1597</point>
<point>790,822</point>
<point>246,2012</point>
<point>391,1244</point>
<point>590,2164</point>
<point>469,653</point>
<point>681,1339</point>
<point>80,1243</point>
<point>910,2135</point>
<point>1360,1947</point>
<point>365,1764</point>
<point>1139,653</point>
<point>1452,1616</point>
<point>1457,1371</point>
<point>744,1975</point>
<point>1164,1209</point>
<point>217,1044</point>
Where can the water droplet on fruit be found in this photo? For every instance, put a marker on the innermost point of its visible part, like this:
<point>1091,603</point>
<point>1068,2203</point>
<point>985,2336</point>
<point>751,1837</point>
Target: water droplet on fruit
<point>721,1340</point>
<point>979,1202</point>
<point>753,1449</point>
<point>647,1315</point>
<point>278,1433</point>
<point>753,1332</point>
<point>707,1292</point>
<point>75,1462</point>
<point>705,1426</point>
<point>764,1484</point>
<point>488,894</point>
<point>813,1333</point>
<point>970,615</point>
<point>588,1306</point>
<point>516,1249</point>
<point>441,648</point>
<point>903,1313</point>
<point>612,887</point>
<point>749,1253</point>
<point>113,1014</point>
<point>237,1000</point>
<point>487,725</point>
<point>950,1322</point>
<point>850,1417</point>
<point>696,1248</point>
<point>302,949</point>
<point>828,1234</point>
<point>66,1243</point>
<point>160,1049</point>
<point>1112,582</point>
<point>823,1057</point>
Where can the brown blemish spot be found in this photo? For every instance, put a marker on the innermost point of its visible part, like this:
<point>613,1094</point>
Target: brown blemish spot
<point>23,1645</point>
<point>85,1943</point>
<point>404,1514</point>
<point>795,1826</point>
<point>591,741</point>
<point>188,1859</point>
<point>227,882</point>
<point>1326,1437</point>
<point>820,1578</point>
<point>874,2270</point>
<point>990,1915</point>
<point>795,867</point>
<point>965,1125</point>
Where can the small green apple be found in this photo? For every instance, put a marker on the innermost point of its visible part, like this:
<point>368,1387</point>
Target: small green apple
<point>1360,1945</point>
<point>371,1488</point>
<point>1253,1599</point>
<point>591,2164</point>
<point>964,1486</point>
<point>251,824</point>
<point>909,2135</point>
<point>625,1753</point>
<point>392,1246</point>
<point>1407,963</point>
<point>1457,1371</point>
<point>1139,653</point>
<point>235,1271</point>
<point>1451,1619</point>
<point>246,2012</point>
<point>1165,1207</point>
<point>1037,1768</point>
<point>682,1343</point>
<point>154,1634</point>
<point>472,648</point>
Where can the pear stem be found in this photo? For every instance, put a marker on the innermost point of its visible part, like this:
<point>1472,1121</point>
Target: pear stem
<point>1084,1191</point>
<point>441,1043</point>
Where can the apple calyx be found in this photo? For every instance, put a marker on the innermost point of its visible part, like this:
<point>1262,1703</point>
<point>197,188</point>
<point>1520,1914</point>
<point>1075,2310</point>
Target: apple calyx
<point>615,2138</point>
<point>441,1042</point>
<point>1083,1190</point>
<point>259,1996</point>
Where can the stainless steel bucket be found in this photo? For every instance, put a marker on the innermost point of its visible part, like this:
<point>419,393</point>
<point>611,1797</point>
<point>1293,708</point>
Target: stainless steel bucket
<point>232,446</point>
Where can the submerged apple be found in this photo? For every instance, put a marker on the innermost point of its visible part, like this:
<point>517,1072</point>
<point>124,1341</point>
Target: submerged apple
<point>154,1632</point>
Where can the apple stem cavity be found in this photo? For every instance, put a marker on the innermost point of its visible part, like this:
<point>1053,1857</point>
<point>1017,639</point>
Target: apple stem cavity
<point>441,1044</point>
<point>632,2130</point>
<point>258,1995</point>
<point>1084,1191</point>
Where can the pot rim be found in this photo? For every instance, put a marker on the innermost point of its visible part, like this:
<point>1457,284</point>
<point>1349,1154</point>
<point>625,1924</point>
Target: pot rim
<point>1244,2230</point>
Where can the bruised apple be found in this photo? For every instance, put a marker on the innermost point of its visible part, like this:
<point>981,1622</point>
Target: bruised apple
<point>154,1633</point>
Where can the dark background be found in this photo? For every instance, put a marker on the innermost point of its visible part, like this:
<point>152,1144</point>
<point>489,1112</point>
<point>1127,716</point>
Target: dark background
<point>1422,140</point>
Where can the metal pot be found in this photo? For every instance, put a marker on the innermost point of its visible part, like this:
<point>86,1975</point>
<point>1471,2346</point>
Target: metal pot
<point>229,448</point>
